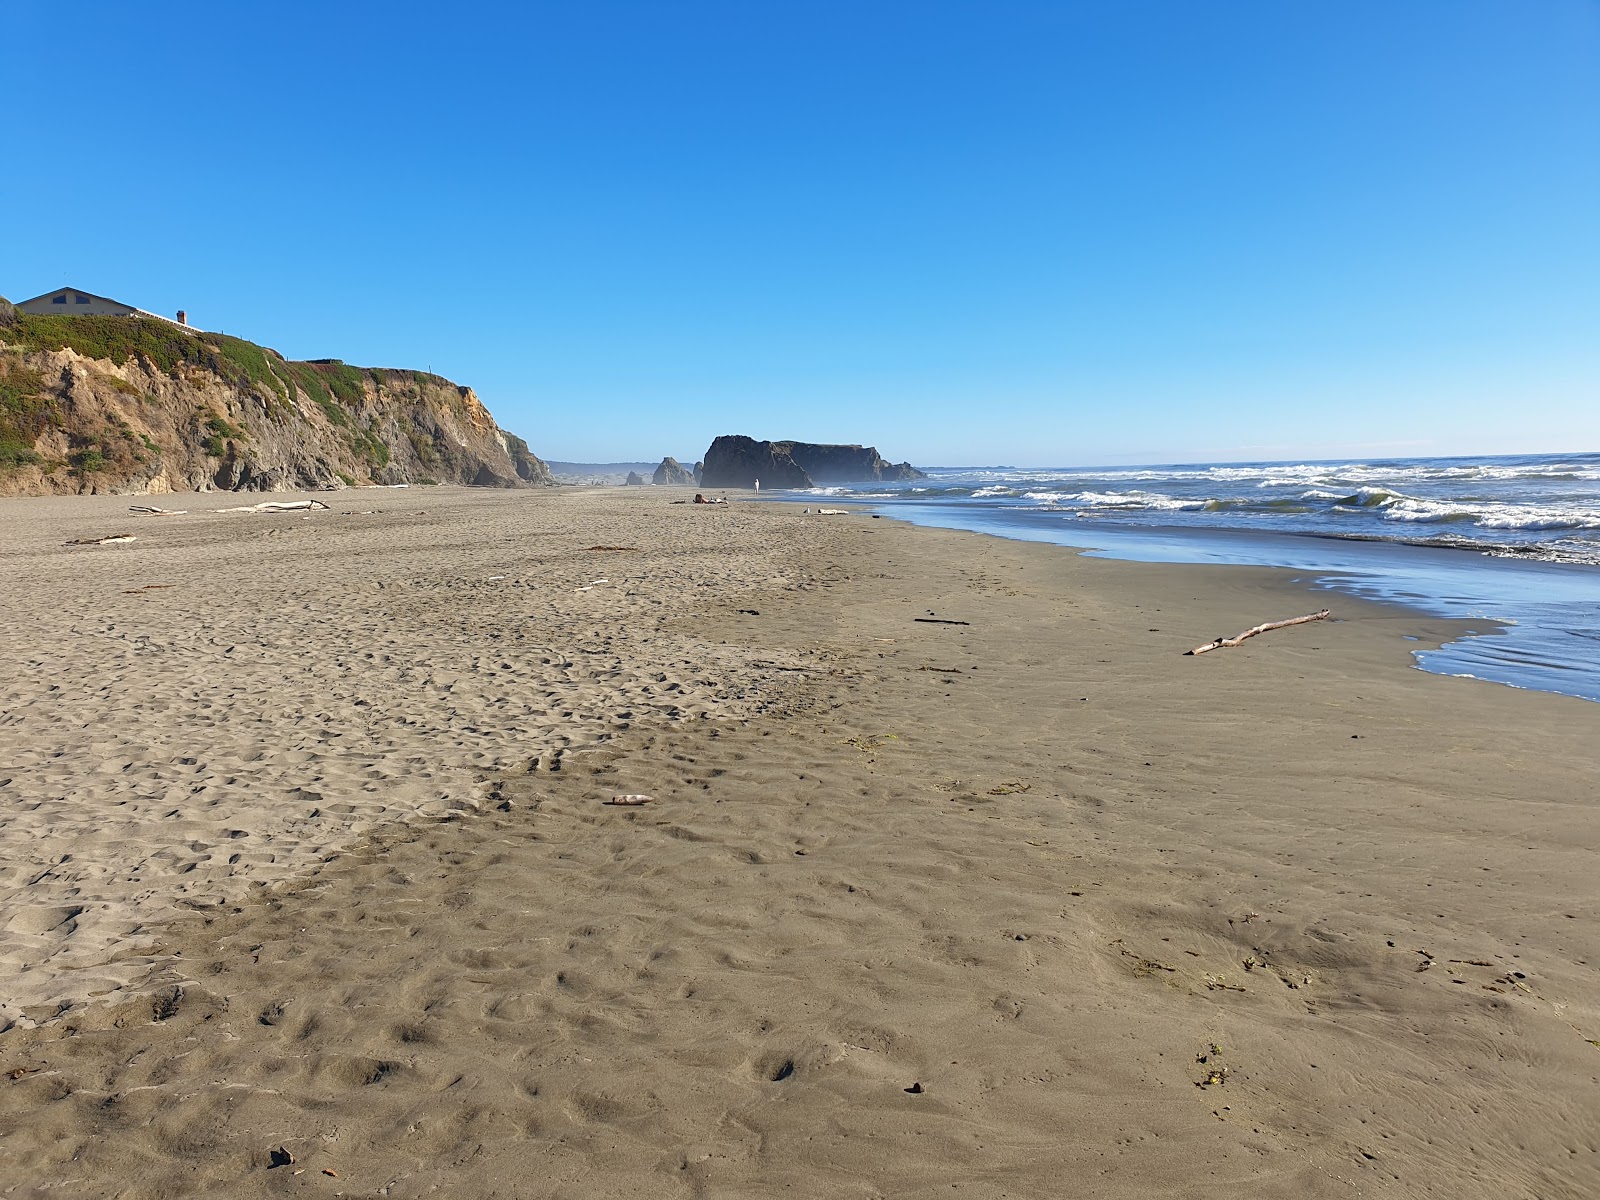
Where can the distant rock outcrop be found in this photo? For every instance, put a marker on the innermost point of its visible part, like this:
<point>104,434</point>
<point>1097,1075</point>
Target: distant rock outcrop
<point>634,480</point>
<point>737,461</point>
<point>699,471</point>
<point>671,471</point>
<point>136,405</point>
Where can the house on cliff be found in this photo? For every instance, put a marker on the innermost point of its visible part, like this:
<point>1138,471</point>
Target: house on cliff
<point>74,302</point>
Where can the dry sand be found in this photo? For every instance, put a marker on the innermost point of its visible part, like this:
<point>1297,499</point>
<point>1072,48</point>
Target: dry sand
<point>1030,907</point>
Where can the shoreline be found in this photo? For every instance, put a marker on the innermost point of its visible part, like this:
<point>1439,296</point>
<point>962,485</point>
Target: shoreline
<point>1533,628</point>
<point>1034,866</point>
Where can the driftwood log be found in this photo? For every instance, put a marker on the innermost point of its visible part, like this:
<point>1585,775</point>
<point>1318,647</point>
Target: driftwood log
<point>1219,643</point>
<point>270,506</point>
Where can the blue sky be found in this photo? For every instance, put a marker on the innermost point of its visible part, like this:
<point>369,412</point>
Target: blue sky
<point>999,231</point>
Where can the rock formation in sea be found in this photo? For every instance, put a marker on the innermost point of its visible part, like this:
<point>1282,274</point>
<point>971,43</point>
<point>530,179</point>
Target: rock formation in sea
<point>738,461</point>
<point>139,405</point>
<point>671,471</point>
<point>634,480</point>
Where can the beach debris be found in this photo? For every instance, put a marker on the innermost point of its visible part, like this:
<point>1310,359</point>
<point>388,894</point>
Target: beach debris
<point>635,548</point>
<point>915,1089</point>
<point>164,1005</point>
<point>1220,642</point>
<point>1219,983</point>
<point>149,587</point>
<point>593,583</point>
<point>631,801</point>
<point>1213,1078</point>
<point>1010,789</point>
<point>110,539</point>
<point>1141,966</point>
<point>158,512</point>
<point>267,506</point>
<point>942,670</point>
<point>874,741</point>
<point>939,621</point>
<point>281,1157</point>
<point>827,512</point>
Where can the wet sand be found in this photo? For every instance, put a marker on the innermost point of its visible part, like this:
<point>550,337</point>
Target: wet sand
<point>1028,906</point>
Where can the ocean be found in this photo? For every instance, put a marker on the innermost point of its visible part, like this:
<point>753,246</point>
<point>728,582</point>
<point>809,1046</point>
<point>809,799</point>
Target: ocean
<point>1511,540</point>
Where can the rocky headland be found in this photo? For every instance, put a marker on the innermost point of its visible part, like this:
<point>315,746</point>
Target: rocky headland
<point>734,460</point>
<point>138,405</point>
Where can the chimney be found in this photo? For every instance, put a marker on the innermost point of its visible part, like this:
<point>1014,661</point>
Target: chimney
<point>183,317</point>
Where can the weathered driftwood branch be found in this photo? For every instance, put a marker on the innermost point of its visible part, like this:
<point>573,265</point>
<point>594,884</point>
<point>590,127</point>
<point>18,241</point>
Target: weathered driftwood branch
<point>1220,642</point>
<point>270,506</point>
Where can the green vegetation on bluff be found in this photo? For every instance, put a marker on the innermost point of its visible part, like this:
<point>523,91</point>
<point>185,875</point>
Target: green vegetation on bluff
<point>184,396</point>
<point>25,412</point>
<point>167,348</point>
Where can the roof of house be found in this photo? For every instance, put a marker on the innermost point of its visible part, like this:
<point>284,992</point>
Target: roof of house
<point>108,300</point>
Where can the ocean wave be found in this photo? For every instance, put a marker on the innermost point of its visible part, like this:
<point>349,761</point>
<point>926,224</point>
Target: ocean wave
<point>1101,501</point>
<point>1491,516</point>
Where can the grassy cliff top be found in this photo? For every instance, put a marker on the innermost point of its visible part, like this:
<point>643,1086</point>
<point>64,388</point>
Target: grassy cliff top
<point>167,347</point>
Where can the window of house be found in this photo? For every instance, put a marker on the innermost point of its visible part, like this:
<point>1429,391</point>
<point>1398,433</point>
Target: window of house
<point>82,299</point>
<point>61,299</point>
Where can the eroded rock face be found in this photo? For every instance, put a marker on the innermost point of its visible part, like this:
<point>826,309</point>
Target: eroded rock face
<point>634,480</point>
<point>848,464</point>
<point>127,409</point>
<point>737,461</point>
<point>671,471</point>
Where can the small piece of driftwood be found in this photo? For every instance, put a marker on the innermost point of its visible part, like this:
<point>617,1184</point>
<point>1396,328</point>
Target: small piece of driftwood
<point>1220,642</point>
<point>939,621</point>
<point>110,539</point>
<point>157,512</point>
<point>632,801</point>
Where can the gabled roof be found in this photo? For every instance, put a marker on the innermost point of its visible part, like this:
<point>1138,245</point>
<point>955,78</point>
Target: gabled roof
<point>81,292</point>
<point>107,300</point>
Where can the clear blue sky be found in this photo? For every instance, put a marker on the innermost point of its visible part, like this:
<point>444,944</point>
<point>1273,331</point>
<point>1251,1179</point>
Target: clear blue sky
<point>998,231</point>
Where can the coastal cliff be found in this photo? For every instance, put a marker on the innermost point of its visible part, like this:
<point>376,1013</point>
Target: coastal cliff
<point>737,461</point>
<point>135,405</point>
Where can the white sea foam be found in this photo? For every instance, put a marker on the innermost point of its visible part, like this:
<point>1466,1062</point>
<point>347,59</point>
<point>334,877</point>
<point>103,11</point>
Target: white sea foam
<point>1493,516</point>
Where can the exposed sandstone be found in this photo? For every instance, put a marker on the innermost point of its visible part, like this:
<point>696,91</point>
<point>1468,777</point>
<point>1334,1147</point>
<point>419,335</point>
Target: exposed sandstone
<point>131,405</point>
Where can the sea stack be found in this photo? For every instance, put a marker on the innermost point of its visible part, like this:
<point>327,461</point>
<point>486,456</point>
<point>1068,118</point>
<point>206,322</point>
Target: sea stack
<point>671,471</point>
<point>738,461</point>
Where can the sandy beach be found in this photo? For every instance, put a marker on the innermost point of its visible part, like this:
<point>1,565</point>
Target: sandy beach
<point>957,878</point>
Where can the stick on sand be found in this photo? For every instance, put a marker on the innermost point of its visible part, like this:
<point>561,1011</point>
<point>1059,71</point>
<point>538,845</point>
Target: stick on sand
<point>1250,633</point>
